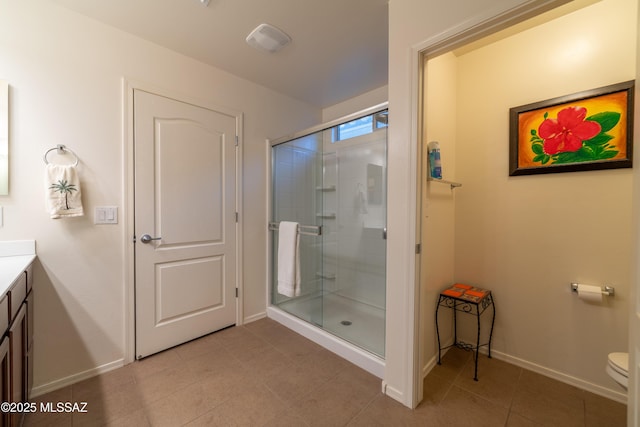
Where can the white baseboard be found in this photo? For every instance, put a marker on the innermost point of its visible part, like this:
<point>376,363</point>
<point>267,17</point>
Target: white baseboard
<point>392,392</point>
<point>72,379</point>
<point>616,395</point>
<point>430,365</point>
<point>255,317</point>
<point>562,377</point>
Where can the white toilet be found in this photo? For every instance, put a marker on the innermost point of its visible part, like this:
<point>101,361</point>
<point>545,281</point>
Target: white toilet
<point>618,368</point>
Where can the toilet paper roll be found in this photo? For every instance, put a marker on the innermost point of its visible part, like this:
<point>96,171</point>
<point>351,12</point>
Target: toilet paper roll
<point>590,293</point>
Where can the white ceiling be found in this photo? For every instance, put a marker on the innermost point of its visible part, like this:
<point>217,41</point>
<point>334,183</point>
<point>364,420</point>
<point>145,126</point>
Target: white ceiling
<point>339,47</point>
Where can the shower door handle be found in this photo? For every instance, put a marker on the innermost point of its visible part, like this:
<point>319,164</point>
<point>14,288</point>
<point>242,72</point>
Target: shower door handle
<point>384,233</point>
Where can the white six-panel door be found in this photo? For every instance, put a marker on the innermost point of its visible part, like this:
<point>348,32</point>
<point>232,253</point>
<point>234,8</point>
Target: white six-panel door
<point>185,204</point>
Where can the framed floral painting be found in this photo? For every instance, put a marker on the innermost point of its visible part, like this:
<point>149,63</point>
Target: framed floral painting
<point>584,131</point>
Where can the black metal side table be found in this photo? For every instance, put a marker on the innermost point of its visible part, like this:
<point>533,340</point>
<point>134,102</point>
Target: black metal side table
<point>470,300</point>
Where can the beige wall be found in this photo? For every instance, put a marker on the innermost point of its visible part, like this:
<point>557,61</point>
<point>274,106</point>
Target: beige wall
<point>633,409</point>
<point>65,74</point>
<point>353,105</point>
<point>527,238</point>
<point>437,215</point>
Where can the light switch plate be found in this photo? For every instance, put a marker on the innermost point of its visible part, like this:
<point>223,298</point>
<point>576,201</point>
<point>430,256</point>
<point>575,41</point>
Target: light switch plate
<point>106,215</point>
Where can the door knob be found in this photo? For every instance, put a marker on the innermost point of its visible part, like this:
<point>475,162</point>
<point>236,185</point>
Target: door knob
<point>146,238</point>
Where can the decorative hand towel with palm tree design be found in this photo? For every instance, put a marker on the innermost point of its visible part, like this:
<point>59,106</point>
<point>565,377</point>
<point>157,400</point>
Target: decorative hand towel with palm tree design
<point>62,189</point>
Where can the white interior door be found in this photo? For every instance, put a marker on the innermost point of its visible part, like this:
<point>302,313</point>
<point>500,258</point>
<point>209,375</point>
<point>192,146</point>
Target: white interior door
<point>185,201</point>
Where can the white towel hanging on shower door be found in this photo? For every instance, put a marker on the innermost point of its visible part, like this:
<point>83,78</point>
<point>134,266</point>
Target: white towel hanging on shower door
<point>288,259</point>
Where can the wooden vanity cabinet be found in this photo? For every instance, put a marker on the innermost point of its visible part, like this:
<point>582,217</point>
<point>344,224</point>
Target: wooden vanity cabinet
<point>29,347</point>
<point>18,350</point>
<point>4,315</point>
<point>5,378</point>
<point>16,325</point>
<point>5,358</point>
<point>30,311</point>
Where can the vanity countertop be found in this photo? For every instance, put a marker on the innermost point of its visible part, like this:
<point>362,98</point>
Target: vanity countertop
<point>15,257</point>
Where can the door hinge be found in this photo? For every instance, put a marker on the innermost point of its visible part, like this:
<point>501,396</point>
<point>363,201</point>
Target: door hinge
<point>236,292</point>
<point>237,215</point>
<point>418,248</point>
<point>237,140</point>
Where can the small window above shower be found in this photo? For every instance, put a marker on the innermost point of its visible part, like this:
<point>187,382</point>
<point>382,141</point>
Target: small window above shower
<point>361,126</point>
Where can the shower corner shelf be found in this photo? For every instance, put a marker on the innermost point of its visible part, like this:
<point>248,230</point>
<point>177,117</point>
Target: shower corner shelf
<point>453,184</point>
<point>326,215</point>
<point>328,188</point>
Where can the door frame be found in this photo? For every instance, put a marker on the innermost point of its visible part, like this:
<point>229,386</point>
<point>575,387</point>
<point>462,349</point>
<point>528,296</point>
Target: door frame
<point>128,215</point>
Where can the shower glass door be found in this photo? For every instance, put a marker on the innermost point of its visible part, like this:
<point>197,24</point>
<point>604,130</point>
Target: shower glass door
<point>336,179</point>
<point>297,171</point>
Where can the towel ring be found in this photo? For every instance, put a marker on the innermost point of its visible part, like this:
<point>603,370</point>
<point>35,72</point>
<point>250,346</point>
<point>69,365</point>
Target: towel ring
<point>61,150</point>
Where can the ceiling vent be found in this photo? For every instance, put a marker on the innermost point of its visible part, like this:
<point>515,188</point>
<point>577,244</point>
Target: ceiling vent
<point>268,38</point>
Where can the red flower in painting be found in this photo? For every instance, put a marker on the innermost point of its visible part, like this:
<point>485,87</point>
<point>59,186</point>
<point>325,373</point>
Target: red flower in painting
<point>566,133</point>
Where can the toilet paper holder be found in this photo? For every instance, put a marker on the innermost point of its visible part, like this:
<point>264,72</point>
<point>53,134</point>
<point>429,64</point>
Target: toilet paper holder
<point>606,290</point>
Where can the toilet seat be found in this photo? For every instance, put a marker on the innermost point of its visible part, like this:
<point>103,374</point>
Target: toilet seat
<point>618,368</point>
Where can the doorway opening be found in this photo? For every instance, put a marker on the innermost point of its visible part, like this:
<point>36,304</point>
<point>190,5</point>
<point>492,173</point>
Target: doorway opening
<point>487,233</point>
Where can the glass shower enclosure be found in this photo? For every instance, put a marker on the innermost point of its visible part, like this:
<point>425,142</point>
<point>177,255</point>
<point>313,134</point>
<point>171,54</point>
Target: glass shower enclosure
<point>332,182</point>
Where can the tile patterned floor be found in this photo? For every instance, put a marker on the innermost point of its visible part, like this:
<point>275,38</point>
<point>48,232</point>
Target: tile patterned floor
<point>263,374</point>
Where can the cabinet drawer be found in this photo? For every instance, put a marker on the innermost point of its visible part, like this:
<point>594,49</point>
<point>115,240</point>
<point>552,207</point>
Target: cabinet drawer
<point>17,294</point>
<point>4,314</point>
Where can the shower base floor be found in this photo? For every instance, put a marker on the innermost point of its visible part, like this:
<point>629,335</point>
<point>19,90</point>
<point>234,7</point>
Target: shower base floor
<point>360,324</point>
